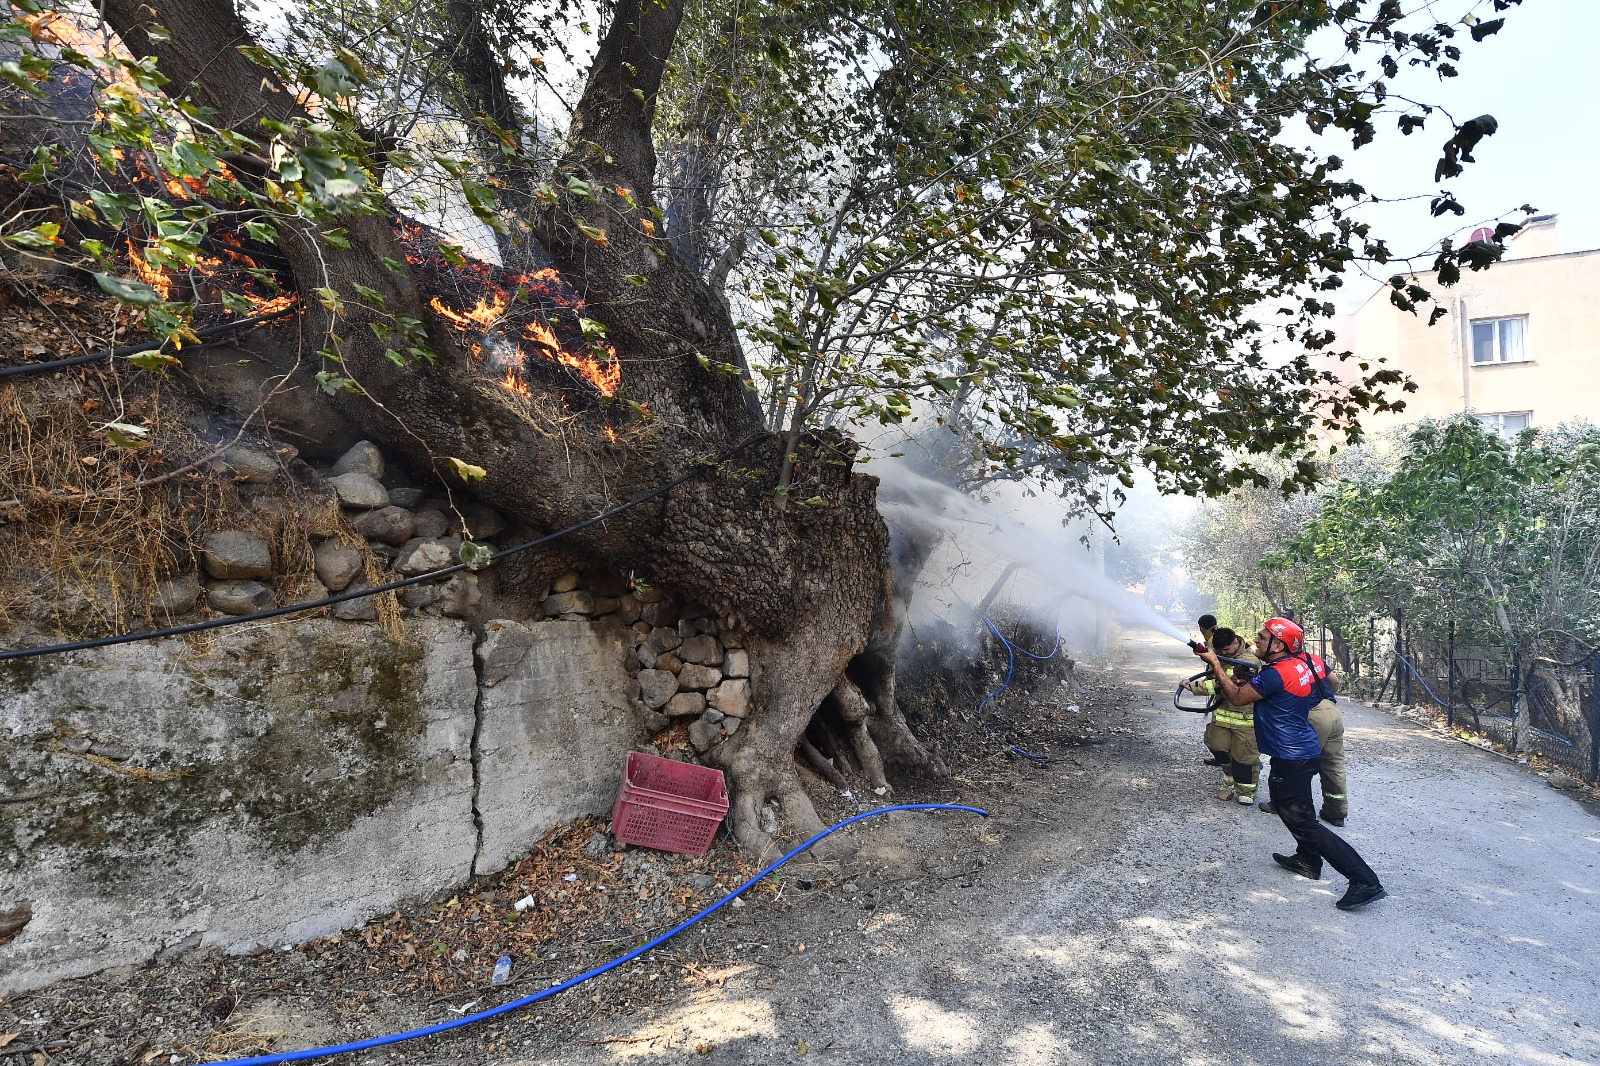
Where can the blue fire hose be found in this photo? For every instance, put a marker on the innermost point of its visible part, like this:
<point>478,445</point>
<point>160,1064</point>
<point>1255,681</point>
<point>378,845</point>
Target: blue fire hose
<point>505,1008</point>
<point>1011,666</point>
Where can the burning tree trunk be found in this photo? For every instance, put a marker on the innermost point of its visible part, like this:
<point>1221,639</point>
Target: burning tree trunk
<point>808,586</point>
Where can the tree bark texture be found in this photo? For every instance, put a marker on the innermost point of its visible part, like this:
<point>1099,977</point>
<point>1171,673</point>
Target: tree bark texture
<point>807,586</point>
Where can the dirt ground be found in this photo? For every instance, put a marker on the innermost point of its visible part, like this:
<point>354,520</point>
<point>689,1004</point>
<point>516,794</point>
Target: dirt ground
<point>1109,909</point>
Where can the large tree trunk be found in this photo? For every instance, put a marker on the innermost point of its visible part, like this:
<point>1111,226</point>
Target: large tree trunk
<point>808,586</point>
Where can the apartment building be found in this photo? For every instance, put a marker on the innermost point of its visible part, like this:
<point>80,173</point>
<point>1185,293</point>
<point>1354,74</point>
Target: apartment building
<point>1519,345</point>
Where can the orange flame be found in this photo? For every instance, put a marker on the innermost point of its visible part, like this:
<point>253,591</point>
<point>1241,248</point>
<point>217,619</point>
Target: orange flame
<point>513,384</point>
<point>604,375</point>
<point>148,274</point>
<point>262,306</point>
<point>489,311</point>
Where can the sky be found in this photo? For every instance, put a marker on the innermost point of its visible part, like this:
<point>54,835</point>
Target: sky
<point>1540,78</point>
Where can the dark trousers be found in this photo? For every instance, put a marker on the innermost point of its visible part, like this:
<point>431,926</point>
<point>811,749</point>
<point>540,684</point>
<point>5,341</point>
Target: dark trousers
<point>1290,781</point>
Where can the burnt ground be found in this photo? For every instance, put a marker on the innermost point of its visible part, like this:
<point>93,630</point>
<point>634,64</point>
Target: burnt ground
<point>1109,910</point>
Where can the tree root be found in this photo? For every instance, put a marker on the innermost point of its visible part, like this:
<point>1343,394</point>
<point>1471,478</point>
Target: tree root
<point>819,762</point>
<point>891,733</point>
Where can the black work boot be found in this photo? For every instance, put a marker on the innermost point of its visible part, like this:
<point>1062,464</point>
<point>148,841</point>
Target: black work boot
<point>1332,817</point>
<point>1267,807</point>
<point>1298,865</point>
<point>1359,894</point>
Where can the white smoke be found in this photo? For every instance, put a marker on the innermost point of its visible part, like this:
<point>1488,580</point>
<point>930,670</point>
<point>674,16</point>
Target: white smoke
<point>1054,582</point>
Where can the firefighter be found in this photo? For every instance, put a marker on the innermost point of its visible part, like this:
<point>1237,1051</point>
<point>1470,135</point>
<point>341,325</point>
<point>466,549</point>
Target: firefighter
<point>1329,724</point>
<point>1208,629</point>
<point>1288,686</point>
<point>1231,733</point>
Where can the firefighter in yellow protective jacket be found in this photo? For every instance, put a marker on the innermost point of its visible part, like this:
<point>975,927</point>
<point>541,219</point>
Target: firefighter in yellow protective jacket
<point>1231,733</point>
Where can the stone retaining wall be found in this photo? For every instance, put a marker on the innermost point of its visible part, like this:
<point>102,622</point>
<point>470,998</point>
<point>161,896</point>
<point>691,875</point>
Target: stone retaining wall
<point>279,780</point>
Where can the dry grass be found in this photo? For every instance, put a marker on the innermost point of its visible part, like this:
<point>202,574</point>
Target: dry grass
<point>86,545</point>
<point>252,1032</point>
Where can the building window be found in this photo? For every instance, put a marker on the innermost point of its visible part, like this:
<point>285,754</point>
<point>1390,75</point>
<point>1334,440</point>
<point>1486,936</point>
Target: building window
<point>1499,340</point>
<point>1508,424</point>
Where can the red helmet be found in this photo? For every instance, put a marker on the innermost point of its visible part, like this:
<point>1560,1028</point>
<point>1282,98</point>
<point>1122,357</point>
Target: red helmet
<point>1293,637</point>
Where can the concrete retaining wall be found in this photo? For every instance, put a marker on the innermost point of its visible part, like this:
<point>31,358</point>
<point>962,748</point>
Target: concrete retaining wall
<point>274,784</point>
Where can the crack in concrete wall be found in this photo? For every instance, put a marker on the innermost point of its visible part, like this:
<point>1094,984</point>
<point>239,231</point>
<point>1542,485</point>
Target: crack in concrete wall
<point>477,752</point>
<point>283,783</point>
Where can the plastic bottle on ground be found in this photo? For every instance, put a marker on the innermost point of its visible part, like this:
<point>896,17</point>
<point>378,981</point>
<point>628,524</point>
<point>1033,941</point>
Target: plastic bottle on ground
<point>502,971</point>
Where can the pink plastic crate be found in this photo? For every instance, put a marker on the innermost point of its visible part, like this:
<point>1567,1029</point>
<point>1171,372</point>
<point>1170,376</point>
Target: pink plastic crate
<point>669,805</point>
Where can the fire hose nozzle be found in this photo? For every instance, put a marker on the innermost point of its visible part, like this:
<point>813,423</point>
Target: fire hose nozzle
<point>1197,647</point>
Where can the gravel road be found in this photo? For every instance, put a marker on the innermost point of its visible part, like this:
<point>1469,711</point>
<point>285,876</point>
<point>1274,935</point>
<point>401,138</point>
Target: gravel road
<point>1123,914</point>
<point>1111,910</point>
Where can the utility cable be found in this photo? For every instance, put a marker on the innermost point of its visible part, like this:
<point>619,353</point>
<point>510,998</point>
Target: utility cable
<point>309,605</point>
<point>517,1004</point>
<point>145,346</point>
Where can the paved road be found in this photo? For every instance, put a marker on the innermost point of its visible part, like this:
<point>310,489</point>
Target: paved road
<point>1127,916</point>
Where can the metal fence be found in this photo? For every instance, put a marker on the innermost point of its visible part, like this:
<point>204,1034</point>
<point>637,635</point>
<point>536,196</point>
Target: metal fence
<point>1545,703</point>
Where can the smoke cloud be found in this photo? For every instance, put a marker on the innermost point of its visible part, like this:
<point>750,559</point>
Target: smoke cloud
<point>984,559</point>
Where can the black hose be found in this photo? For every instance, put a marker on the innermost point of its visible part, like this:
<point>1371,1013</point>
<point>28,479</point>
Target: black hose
<point>147,346</point>
<point>310,605</point>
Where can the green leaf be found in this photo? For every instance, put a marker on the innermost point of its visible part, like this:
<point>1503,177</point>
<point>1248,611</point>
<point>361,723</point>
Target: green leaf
<point>465,470</point>
<point>474,555</point>
<point>236,303</point>
<point>45,237</point>
<point>112,207</point>
<point>127,435</point>
<point>12,72</point>
<point>371,295</point>
<point>261,231</point>
<point>157,360</point>
<point>333,383</point>
<point>128,290</point>
<point>481,199</point>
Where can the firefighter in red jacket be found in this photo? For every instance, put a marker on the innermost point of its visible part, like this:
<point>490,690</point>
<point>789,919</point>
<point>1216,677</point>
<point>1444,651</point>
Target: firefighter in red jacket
<point>1283,693</point>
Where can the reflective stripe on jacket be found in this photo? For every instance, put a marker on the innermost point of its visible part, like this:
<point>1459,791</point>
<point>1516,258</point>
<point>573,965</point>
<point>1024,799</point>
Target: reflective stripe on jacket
<point>1240,715</point>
